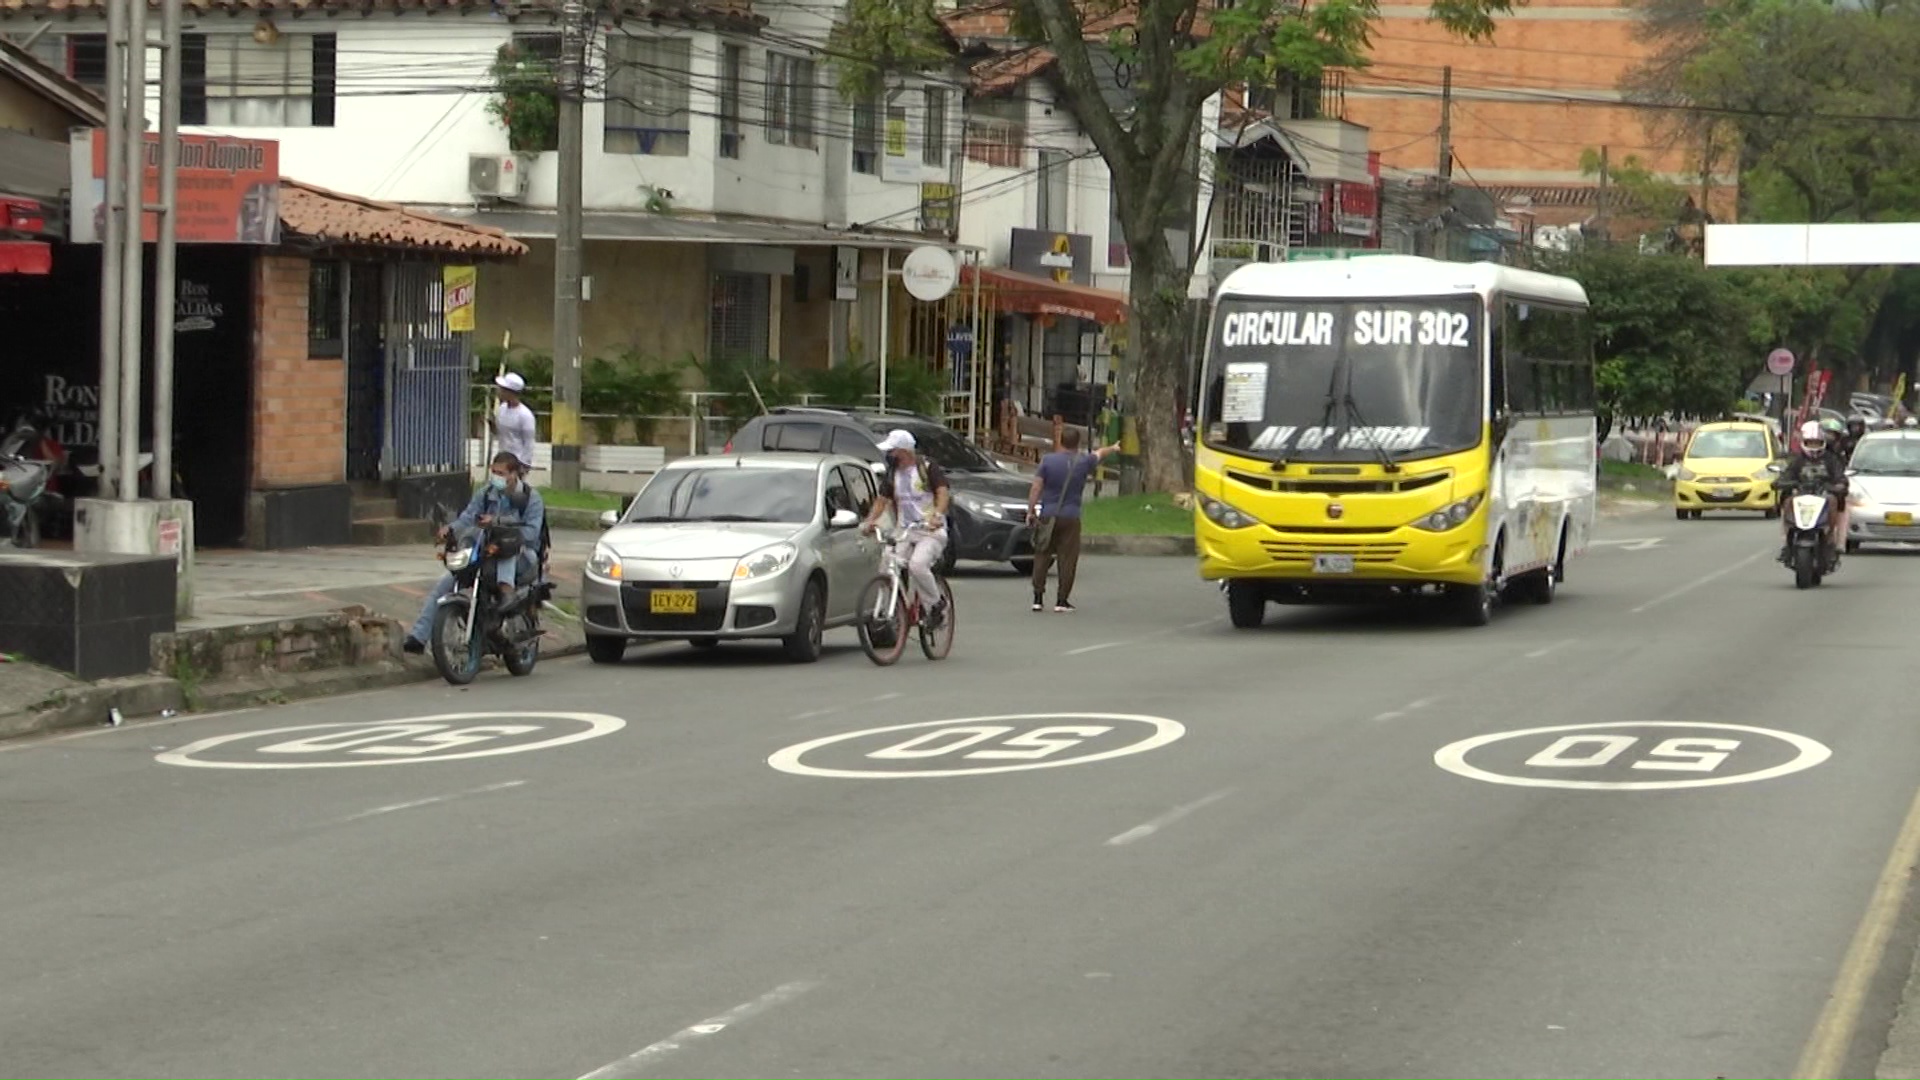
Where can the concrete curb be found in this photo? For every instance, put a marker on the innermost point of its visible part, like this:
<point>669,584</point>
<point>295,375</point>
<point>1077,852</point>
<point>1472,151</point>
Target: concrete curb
<point>1901,1059</point>
<point>1136,545</point>
<point>91,705</point>
<point>564,518</point>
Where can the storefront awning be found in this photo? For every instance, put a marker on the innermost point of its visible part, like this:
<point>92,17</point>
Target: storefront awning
<point>1015,293</point>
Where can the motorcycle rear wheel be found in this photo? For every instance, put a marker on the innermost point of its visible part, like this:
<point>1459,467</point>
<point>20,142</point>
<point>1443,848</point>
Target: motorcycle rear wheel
<point>520,661</point>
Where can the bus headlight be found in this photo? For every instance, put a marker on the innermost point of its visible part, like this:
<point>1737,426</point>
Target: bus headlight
<point>1450,517</point>
<point>1223,515</point>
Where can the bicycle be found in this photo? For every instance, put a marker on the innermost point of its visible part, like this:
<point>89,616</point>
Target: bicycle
<point>887,615</point>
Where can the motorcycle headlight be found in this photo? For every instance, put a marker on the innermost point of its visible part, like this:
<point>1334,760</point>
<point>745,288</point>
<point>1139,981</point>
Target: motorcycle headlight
<point>604,563</point>
<point>980,507</point>
<point>766,562</point>
<point>1225,516</point>
<point>1450,517</point>
<point>459,560</point>
<point>1686,474</point>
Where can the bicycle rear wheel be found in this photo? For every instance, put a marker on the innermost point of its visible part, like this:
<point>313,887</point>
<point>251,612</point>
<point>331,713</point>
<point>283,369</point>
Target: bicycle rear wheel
<point>883,633</point>
<point>938,643</point>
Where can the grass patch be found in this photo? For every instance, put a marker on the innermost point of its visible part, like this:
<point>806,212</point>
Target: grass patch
<point>580,500</point>
<point>1135,515</point>
<point>1619,476</point>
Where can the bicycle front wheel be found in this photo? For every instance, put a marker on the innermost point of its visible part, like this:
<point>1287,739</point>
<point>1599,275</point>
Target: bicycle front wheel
<point>883,621</point>
<point>938,643</point>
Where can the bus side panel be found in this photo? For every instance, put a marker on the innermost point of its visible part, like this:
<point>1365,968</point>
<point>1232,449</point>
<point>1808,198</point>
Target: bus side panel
<point>1547,472</point>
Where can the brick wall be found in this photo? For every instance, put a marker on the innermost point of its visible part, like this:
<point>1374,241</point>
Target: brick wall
<point>300,404</point>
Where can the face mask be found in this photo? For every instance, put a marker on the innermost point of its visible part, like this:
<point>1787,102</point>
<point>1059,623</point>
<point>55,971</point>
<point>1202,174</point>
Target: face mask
<point>496,482</point>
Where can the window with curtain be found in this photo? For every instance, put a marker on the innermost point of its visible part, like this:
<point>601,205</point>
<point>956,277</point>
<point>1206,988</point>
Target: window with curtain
<point>647,89</point>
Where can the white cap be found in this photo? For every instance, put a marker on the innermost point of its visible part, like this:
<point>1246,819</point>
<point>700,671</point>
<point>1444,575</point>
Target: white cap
<point>898,439</point>
<point>512,382</point>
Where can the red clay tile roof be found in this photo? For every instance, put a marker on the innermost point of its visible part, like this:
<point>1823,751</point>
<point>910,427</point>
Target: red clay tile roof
<point>723,9</point>
<point>333,217</point>
<point>990,25</point>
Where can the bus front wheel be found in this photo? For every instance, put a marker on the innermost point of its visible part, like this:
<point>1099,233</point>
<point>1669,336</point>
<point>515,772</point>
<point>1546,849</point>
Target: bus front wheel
<point>1246,604</point>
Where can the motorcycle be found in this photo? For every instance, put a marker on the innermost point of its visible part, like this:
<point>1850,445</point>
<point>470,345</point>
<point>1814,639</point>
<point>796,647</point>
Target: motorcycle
<point>1810,550</point>
<point>25,500</point>
<point>475,619</point>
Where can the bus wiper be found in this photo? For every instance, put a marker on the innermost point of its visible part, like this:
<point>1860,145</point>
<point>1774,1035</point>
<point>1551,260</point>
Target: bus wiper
<point>1326,414</point>
<point>1387,461</point>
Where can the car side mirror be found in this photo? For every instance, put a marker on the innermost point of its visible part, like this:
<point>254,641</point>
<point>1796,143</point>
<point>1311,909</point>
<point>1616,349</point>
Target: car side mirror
<point>843,519</point>
<point>1776,466</point>
<point>608,519</point>
<point>877,468</point>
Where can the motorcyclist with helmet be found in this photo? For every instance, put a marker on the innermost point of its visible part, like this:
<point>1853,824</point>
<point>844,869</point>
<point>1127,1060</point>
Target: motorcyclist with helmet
<point>1817,457</point>
<point>1849,437</point>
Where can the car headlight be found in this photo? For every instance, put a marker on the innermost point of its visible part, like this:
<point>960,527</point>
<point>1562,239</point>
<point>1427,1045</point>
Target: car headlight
<point>975,505</point>
<point>458,560</point>
<point>1764,476</point>
<point>1686,474</point>
<point>766,562</point>
<point>1857,497</point>
<point>1225,516</point>
<point>604,563</point>
<point>1450,517</point>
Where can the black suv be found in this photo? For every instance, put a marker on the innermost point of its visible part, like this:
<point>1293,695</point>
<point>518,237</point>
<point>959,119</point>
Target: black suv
<point>987,519</point>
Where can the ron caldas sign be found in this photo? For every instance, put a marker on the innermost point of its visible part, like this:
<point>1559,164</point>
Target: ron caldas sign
<point>227,190</point>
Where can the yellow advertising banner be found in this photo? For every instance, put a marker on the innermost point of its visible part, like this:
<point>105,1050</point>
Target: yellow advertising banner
<point>459,282</point>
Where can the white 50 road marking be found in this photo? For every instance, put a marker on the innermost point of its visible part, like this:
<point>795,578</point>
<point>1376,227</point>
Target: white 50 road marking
<point>1592,750</point>
<point>987,738</point>
<point>396,742</point>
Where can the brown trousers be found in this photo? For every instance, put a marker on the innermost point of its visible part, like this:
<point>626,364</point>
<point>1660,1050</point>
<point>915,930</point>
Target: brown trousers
<point>1066,548</point>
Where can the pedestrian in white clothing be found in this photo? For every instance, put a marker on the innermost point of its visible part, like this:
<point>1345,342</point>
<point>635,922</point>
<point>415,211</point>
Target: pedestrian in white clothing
<point>513,425</point>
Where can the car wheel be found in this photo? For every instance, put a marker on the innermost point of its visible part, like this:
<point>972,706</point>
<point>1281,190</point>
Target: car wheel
<point>809,628</point>
<point>947,558</point>
<point>1679,515</point>
<point>602,649</point>
<point>1771,514</point>
<point>1023,567</point>
<point>1853,547</point>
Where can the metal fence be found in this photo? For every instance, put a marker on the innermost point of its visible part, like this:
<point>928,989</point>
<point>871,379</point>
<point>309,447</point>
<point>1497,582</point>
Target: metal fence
<point>427,372</point>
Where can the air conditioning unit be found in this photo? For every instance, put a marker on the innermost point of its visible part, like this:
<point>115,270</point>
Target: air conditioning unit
<point>496,176</point>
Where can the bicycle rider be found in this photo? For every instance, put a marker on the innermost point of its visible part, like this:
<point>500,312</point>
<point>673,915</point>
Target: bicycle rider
<point>918,488</point>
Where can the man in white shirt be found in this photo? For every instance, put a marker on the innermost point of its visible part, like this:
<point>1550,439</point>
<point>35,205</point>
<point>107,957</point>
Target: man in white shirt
<point>513,425</point>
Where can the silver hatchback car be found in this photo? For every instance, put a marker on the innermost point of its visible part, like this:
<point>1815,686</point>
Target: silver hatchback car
<point>734,547</point>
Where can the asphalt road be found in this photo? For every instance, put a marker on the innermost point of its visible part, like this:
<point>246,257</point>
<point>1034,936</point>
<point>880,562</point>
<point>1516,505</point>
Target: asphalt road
<point>1291,887</point>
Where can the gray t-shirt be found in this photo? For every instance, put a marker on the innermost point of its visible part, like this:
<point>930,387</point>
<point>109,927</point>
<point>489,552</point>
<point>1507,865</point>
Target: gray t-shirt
<point>1063,480</point>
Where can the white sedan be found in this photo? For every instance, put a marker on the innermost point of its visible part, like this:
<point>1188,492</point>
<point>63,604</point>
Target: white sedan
<point>1883,500</point>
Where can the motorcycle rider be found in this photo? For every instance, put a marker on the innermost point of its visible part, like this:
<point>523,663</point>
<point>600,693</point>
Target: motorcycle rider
<point>915,488</point>
<point>1855,431</point>
<point>508,499</point>
<point>1817,457</point>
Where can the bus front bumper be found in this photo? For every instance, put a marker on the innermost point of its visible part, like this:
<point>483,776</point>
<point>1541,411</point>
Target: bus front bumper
<point>1403,556</point>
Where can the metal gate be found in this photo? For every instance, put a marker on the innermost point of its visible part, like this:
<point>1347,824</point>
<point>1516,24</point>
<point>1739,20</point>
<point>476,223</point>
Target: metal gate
<point>427,374</point>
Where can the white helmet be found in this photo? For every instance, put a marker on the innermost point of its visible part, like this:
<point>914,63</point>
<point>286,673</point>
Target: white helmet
<point>1812,436</point>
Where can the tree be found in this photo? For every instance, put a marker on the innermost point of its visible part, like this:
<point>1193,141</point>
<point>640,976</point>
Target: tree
<point>1177,55</point>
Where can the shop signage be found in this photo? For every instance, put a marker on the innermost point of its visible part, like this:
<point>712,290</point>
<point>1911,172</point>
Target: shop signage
<point>1064,257</point>
<point>227,190</point>
<point>458,287</point>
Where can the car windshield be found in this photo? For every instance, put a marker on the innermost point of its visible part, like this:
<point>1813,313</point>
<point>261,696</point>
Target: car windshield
<point>727,493</point>
<point>1888,457</point>
<point>1311,380</point>
<point>1728,444</point>
<point>953,453</point>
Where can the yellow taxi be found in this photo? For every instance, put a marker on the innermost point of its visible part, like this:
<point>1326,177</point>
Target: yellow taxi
<point>1727,466</point>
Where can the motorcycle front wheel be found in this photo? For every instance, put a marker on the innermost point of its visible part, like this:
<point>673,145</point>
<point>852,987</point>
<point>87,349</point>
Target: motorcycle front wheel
<point>457,664</point>
<point>1805,571</point>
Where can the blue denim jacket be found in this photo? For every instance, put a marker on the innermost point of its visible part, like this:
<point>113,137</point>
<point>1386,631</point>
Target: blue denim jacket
<point>530,516</point>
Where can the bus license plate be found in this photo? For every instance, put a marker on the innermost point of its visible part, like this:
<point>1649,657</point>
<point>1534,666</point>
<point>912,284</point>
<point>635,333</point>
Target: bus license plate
<point>674,602</point>
<point>1333,564</point>
<point>1899,517</point>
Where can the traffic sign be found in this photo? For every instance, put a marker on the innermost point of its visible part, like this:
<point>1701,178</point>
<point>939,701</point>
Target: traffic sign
<point>1780,362</point>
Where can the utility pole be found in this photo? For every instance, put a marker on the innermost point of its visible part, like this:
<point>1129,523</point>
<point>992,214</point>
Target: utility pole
<point>165,250</point>
<point>1446,127</point>
<point>574,28</point>
<point>107,438</point>
<point>1600,215</point>
<point>134,239</point>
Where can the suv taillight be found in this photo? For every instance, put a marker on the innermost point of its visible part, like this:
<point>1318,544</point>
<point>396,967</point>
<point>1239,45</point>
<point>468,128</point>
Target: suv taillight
<point>727,449</point>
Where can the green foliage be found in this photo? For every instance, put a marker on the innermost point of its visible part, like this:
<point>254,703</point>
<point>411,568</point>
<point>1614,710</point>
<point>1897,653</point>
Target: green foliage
<point>739,379</point>
<point>525,100</point>
<point>881,36</point>
<point>532,365</point>
<point>914,385</point>
<point>628,385</point>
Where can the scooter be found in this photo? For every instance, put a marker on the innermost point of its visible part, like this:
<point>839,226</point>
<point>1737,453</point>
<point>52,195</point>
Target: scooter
<point>1810,551</point>
<point>24,498</point>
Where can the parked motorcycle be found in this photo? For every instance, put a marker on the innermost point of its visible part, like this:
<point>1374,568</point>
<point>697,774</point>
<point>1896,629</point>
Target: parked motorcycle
<point>476,619</point>
<point>25,500</point>
<point>1810,551</point>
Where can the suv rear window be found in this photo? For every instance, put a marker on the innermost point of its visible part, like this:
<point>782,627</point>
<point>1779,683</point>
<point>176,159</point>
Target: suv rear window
<point>855,443</point>
<point>799,437</point>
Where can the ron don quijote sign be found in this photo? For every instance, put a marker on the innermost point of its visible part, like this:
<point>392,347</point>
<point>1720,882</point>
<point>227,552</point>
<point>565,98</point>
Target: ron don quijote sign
<point>227,190</point>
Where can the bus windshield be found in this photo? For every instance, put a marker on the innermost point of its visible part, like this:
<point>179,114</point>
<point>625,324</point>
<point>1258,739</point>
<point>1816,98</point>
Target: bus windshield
<point>1344,380</point>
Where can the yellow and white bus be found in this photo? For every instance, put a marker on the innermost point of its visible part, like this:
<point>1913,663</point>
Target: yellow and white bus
<point>1394,425</point>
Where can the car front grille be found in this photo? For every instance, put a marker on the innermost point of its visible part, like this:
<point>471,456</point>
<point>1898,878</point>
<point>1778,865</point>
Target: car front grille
<point>1363,552</point>
<point>710,607</point>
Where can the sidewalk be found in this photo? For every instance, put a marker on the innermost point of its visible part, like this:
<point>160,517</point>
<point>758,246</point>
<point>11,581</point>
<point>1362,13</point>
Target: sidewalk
<point>270,626</point>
